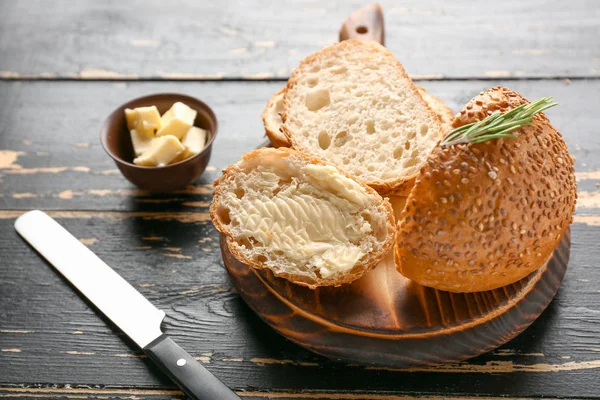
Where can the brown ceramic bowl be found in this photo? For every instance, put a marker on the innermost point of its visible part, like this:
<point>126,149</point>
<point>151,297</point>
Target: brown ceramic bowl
<point>116,141</point>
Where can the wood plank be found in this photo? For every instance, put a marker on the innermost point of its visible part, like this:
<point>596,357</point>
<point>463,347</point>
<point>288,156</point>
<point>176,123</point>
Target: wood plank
<point>259,39</point>
<point>49,334</point>
<point>52,158</point>
<point>76,393</point>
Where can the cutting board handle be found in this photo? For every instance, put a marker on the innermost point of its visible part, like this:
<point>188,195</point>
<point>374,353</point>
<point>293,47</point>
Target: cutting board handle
<point>366,24</point>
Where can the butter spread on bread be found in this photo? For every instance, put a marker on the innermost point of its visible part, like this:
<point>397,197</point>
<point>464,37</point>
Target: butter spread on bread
<point>305,221</point>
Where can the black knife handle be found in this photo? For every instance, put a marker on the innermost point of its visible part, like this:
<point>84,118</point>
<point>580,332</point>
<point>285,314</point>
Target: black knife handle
<point>195,380</point>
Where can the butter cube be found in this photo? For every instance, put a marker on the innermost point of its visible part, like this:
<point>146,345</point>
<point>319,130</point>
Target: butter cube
<point>141,143</point>
<point>180,157</point>
<point>194,141</point>
<point>162,151</point>
<point>145,120</point>
<point>177,121</point>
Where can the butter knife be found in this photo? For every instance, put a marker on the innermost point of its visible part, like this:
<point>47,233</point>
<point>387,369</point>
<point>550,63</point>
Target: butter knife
<point>120,302</point>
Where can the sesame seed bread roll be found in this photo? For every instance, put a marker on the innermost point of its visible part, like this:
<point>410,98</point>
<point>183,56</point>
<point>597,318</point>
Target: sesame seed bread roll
<point>272,119</point>
<point>485,215</point>
<point>353,106</point>
<point>305,221</point>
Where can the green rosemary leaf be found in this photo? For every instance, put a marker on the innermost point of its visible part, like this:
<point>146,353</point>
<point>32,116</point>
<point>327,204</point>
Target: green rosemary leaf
<point>498,125</point>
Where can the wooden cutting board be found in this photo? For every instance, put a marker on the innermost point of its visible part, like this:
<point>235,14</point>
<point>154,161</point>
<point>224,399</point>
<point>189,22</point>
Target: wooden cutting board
<point>385,319</point>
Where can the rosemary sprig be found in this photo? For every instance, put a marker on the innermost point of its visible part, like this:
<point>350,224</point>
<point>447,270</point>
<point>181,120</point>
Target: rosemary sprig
<point>498,125</point>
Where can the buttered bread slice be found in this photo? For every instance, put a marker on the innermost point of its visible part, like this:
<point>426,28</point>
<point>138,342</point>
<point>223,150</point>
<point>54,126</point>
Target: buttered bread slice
<point>305,221</point>
<point>352,105</point>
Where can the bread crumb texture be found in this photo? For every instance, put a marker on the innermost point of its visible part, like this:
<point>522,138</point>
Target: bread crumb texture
<point>353,106</point>
<point>485,215</point>
<point>301,219</point>
<point>271,116</point>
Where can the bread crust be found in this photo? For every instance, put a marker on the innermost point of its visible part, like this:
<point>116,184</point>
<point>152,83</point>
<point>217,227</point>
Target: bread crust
<point>394,186</point>
<point>440,108</point>
<point>273,132</point>
<point>356,272</point>
<point>485,215</point>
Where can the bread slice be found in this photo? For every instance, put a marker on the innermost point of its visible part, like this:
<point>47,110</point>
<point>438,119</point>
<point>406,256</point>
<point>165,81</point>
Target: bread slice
<point>272,119</point>
<point>305,221</point>
<point>353,106</point>
<point>485,215</point>
<point>440,109</point>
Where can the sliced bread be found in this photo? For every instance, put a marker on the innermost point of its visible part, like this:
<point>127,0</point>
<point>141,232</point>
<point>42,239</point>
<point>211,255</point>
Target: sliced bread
<point>353,106</point>
<point>305,221</point>
<point>272,119</point>
<point>440,109</point>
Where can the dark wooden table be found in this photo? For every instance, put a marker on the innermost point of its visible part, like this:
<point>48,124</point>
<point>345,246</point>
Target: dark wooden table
<point>65,65</point>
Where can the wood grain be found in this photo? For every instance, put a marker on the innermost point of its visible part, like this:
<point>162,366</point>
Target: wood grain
<point>385,320</point>
<point>62,340</point>
<point>46,166</point>
<point>50,158</point>
<point>260,39</point>
<point>70,393</point>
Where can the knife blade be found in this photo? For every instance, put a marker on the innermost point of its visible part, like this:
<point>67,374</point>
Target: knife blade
<point>120,302</point>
